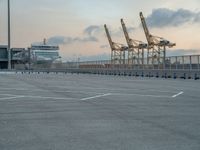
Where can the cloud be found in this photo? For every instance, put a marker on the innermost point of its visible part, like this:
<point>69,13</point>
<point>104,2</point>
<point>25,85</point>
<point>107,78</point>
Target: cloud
<point>104,46</point>
<point>181,52</point>
<point>119,31</point>
<point>62,40</point>
<point>93,30</point>
<point>130,29</point>
<point>164,17</point>
<point>98,30</point>
<point>57,40</point>
<point>103,56</point>
<point>90,34</point>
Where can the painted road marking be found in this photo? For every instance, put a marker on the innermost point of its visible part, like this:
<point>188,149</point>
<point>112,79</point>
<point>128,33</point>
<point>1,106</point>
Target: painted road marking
<point>42,97</point>
<point>116,89</point>
<point>50,90</point>
<point>97,96</point>
<point>30,96</point>
<point>9,95</point>
<point>180,93</point>
<point>143,95</point>
<point>88,88</point>
<point>9,98</point>
<point>20,89</point>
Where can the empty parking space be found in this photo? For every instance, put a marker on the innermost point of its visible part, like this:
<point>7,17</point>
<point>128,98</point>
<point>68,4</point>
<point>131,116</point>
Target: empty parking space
<point>65,111</point>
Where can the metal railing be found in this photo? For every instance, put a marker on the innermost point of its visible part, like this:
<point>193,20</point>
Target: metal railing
<point>190,62</point>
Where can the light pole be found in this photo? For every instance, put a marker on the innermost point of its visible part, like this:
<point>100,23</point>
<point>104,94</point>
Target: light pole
<point>9,37</point>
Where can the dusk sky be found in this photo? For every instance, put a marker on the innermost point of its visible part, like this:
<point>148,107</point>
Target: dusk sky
<point>77,25</point>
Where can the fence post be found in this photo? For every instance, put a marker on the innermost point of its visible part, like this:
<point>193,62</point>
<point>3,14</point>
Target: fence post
<point>190,62</point>
<point>176,63</point>
<point>198,62</point>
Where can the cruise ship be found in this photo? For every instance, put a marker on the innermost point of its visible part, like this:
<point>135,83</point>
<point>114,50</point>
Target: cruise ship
<point>44,52</point>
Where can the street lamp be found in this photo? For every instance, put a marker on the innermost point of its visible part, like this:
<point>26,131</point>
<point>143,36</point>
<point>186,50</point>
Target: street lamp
<point>9,37</point>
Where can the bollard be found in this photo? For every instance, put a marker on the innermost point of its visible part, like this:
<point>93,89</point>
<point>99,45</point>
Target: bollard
<point>124,73</point>
<point>136,74</point>
<point>196,77</point>
<point>175,76</point>
<point>142,74</point>
<point>165,75</point>
<point>157,75</point>
<point>184,76</point>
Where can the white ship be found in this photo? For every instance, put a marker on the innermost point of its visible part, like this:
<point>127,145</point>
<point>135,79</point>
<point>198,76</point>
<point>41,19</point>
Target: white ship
<point>44,53</point>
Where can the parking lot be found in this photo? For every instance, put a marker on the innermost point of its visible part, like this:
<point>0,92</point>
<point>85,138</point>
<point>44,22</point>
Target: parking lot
<point>98,112</point>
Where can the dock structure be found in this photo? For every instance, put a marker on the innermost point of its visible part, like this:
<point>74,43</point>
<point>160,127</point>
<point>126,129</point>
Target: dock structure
<point>155,49</point>
<point>125,59</point>
<point>117,50</point>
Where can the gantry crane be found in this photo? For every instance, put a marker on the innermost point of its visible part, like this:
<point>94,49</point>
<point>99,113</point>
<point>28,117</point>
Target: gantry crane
<point>156,45</point>
<point>117,50</point>
<point>135,48</point>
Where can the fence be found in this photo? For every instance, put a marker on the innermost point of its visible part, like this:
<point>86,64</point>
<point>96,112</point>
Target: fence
<point>191,62</point>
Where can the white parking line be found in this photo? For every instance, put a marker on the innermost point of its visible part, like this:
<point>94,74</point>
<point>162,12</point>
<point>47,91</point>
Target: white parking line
<point>97,96</point>
<point>17,89</point>
<point>142,95</point>
<point>32,96</point>
<point>116,89</point>
<point>180,93</point>
<point>8,95</point>
<point>84,90</point>
<point>57,91</point>
<point>9,98</point>
<point>61,98</point>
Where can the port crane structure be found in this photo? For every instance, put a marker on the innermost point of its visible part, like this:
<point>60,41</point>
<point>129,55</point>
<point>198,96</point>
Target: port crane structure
<point>156,53</point>
<point>118,51</point>
<point>135,48</point>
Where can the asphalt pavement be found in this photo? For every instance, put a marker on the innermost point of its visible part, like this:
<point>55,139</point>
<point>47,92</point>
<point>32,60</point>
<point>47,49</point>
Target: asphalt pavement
<point>98,112</point>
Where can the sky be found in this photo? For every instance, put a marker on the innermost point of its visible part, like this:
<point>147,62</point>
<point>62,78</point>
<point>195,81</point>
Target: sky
<point>77,25</point>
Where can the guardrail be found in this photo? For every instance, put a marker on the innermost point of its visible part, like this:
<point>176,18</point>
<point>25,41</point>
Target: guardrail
<point>186,67</point>
<point>156,73</point>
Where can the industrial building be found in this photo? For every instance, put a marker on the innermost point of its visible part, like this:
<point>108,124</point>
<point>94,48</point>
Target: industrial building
<point>3,57</point>
<point>25,57</point>
<point>17,56</point>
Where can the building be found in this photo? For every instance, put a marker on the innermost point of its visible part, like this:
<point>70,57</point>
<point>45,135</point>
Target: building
<point>3,57</point>
<point>19,56</point>
<point>42,54</point>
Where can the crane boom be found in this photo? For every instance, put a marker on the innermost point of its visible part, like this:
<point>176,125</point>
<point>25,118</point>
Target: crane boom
<point>108,36</point>
<point>146,30</point>
<point>117,50</point>
<point>126,33</point>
